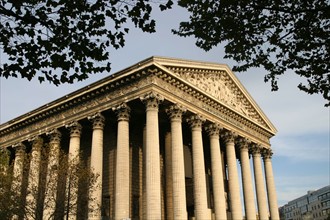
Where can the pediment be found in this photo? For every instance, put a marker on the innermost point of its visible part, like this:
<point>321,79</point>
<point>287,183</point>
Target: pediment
<point>219,82</point>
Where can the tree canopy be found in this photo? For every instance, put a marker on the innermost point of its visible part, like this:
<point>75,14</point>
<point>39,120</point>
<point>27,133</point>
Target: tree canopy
<point>61,41</point>
<point>68,186</point>
<point>277,35</point>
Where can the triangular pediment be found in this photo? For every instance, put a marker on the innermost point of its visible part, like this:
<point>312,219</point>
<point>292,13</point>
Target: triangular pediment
<point>219,82</point>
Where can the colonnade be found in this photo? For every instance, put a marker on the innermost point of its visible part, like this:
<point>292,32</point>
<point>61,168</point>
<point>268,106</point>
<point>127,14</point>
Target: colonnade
<point>175,166</point>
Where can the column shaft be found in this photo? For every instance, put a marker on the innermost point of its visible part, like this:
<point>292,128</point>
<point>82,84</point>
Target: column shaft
<point>122,164</point>
<point>260,187</point>
<point>33,181</point>
<point>18,166</point>
<point>52,174</point>
<point>169,179</point>
<point>144,190</point>
<point>153,184</point>
<point>95,201</point>
<point>178,175</point>
<point>234,189</point>
<point>250,210</point>
<point>217,173</point>
<point>72,178</point>
<point>18,172</point>
<point>200,196</point>
<point>272,198</point>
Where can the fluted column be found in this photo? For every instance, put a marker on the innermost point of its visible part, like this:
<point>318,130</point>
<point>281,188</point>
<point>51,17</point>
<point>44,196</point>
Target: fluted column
<point>271,191</point>
<point>122,163</point>
<point>74,145</point>
<point>169,179</point>
<point>259,182</point>
<point>217,174</point>
<point>250,209</point>
<point>18,166</point>
<point>179,186</point>
<point>18,171</point>
<point>72,181</point>
<point>144,191</point>
<point>95,195</point>
<point>33,180</point>
<point>200,196</point>
<point>153,184</point>
<point>234,189</point>
<point>52,174</point>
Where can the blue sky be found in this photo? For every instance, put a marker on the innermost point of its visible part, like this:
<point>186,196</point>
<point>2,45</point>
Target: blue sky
<point>301,146</point>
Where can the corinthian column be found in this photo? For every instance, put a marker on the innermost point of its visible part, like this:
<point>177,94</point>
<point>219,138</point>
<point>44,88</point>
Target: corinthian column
<point>122,164</point>
<point>34,172</point>
<point>18,170</point>
<point>260,187</point>
<point>234,190</point>
<point>250,209</point>
<point>74,145</point>
<point>217,175</point>
<point>74,150</point>
<point>18,166</point>
<point>153,193</point>
<point>272,198</point>
<point>178,176</point>
<point>95,195</point>
<point>52,174</point>
<point>200,196</point>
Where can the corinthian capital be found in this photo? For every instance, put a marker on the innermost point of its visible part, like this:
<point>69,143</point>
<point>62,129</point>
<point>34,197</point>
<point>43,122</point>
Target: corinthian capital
<point>196,121</point>
<point>19,148</point>
<point>243,143</point>
<point>123,111</point>
<point>213,129</point>
<point>229,136</point>
<point>175,111</point>
<point>55,136</point>
<point>37,142</point>
<point>151,100</point>
<point>98,120</point>
<point>267,153</point>
<point>75,128</point>
<point>255,149</point>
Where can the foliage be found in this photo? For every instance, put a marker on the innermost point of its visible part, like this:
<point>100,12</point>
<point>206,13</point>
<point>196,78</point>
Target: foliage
<point>8,198</point>
<point>54,188</point>
<point>276,35</point>
<point>62,41</point>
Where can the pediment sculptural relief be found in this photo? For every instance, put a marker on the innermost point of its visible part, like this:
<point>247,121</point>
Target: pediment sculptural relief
<point>218,84</point>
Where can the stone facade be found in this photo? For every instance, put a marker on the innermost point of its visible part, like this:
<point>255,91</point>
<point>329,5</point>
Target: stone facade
<point>164,136</point>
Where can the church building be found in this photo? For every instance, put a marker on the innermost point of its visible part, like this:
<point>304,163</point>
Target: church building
<point>167,138</point>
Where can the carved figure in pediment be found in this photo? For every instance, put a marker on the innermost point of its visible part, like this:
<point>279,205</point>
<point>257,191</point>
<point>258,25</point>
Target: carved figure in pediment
<point>219,85</point>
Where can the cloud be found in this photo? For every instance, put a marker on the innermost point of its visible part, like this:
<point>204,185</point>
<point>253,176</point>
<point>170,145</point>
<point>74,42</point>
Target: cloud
<point>312,147</point>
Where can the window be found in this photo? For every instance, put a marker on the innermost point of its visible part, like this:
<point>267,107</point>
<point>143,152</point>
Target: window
<point>324,212</point>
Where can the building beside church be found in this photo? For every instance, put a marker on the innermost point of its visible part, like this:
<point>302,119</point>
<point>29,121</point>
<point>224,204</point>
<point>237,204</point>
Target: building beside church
<point>313,205</point>
<point>165,137</point>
